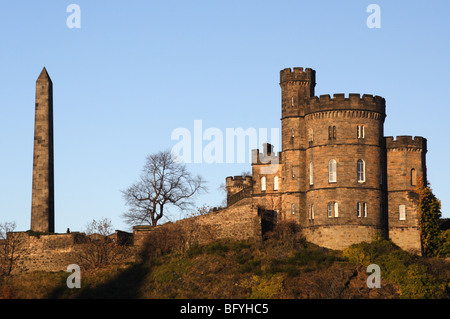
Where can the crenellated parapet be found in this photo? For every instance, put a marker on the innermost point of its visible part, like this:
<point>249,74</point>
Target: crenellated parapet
<point>407,143</point>
<point>355,103</point>
<point>266,157</point>
<point>238,181</point>
<point>307,75</point>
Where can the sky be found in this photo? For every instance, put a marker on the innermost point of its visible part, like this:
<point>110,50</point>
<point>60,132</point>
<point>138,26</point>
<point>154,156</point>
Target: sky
<point>133,72</point>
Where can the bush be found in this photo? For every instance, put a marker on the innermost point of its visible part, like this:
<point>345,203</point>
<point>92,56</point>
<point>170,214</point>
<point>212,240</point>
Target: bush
<point>264,287</point>
<point>399,267</point>
<point>217,248</point>
<point>171,271</point>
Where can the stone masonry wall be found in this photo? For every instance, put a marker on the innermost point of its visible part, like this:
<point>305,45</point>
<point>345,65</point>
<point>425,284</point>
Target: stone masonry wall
<point>239,221</point>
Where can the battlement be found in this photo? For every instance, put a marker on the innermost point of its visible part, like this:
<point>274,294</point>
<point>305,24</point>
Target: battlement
<point>354,101</point>
<point>267,157</point>
<point>233,180</point>
<point>406,142</point>
<point>297,74</point>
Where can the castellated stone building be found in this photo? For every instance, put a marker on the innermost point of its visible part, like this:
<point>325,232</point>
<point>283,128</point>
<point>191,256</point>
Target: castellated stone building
<point>337,175</point>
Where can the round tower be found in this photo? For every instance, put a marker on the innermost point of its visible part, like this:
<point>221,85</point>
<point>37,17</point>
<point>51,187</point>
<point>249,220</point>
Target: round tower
<point>297,87</point>
<point>345,164</point>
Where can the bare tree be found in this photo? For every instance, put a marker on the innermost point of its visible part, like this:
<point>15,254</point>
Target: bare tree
<point>10,247</point>
<point>163,183</point>
<point>99,250</point>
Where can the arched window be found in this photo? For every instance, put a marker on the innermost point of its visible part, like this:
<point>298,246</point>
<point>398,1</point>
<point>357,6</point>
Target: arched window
<point>330,210</point>
<point>413,177</point>
<point>263,183</point>
<point>293,209</point>
<point>361,171</point>
<point>311,173</point>
<point>275,183</point>
<point>311,212</point>
<point>332,178</point>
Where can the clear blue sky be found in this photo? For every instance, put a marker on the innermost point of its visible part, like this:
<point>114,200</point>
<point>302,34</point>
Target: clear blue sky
<point>137,70</point>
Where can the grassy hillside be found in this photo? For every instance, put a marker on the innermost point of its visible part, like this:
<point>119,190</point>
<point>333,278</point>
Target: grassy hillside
<point>276,268</point>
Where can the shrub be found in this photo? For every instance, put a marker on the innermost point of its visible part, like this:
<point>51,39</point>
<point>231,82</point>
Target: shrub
<point>171,271</point>
<point>398,267</point>
<point>217,248</point>
<point>264,287</point>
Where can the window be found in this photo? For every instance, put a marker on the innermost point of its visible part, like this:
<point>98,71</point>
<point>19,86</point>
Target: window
<point>293,209</point>
<point>402,212</point>
<point>332,132</point>
<point>332,171</point>
<point>360,132</point>
<point>330,210</point>
<point>292,133</point>
<point>263,183</point>
<point>310,136</point>
<point>333,208</point>
<point>311,173</point>
<point>311,212</point>
<point>292,101</point>
<point>361,209</point>
<point>275,183</point>
<point>293,172</point>
<point>413,177</point>
<point>361,171</point>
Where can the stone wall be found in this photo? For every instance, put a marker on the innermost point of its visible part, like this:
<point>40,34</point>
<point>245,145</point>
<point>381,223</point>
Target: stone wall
<point>339,237</point>
<point>239,221</point>
<point>51,252</point>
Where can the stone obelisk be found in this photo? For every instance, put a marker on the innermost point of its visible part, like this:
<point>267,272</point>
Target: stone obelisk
<point>42,204</point>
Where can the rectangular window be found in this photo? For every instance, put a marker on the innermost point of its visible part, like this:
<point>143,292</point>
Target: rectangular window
<point>263,183</point>
<point>360,132</point>
<point>402,212</point>
<point>311,174</point>
<point>333,208</point>
<point>275,183</point>
<point>361,209</point>
<point>310,136</point>
<point>332,171</point>
<point>293,209</point>
<point>293,172</point>
<point>312,211</point>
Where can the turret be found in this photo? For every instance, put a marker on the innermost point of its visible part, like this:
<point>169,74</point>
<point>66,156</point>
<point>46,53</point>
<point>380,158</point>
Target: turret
<point>296,85</point>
